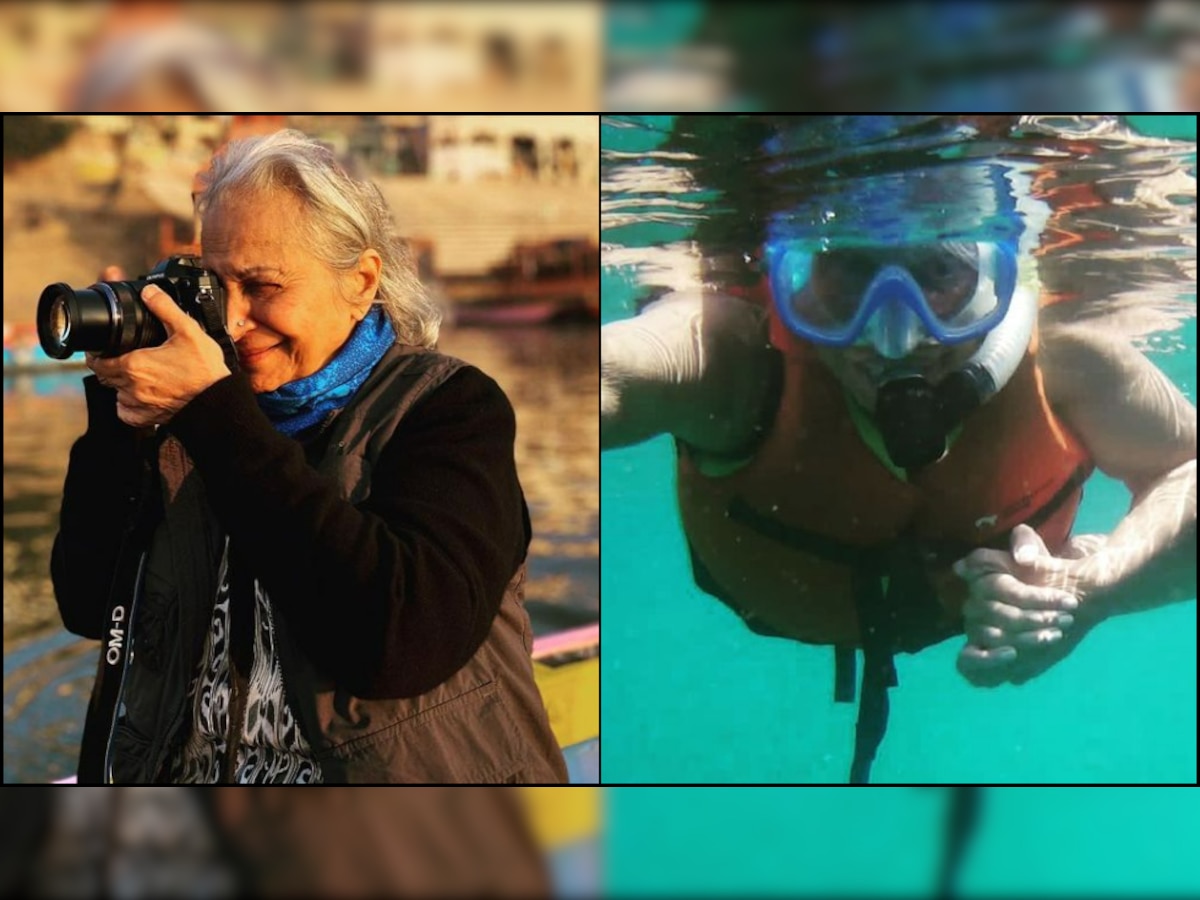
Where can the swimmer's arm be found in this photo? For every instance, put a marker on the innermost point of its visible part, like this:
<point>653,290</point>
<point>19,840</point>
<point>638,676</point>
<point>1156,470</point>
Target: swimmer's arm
<point>696,366</point>
<point>1141,430</point>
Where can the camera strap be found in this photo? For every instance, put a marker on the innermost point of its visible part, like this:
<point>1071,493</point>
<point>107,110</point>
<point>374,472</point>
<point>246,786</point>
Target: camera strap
<point>116,641</point>
<point>214,324</point>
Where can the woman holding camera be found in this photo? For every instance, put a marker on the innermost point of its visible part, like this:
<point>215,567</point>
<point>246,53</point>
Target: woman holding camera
<point>316,561</point>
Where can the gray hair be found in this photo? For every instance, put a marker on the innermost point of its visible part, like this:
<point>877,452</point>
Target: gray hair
<point>344,217</point>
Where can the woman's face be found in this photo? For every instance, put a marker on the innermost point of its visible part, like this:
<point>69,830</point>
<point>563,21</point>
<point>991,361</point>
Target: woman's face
<point>297,311</point>
<point>862,370</point>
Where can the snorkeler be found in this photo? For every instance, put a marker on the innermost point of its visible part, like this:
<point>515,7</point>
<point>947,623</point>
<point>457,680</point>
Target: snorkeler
<point>878,450</point>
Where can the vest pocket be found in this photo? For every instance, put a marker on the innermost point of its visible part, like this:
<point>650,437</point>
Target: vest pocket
<point>469,738</point>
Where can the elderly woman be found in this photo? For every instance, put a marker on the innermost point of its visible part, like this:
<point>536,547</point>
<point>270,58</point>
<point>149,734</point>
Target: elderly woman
<point>324,581</point>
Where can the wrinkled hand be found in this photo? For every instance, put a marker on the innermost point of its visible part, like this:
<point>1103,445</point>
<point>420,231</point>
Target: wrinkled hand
<point>155,383</point>
<point>1022,613</point>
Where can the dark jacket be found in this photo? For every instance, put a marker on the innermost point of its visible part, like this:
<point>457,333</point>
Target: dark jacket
<point>392,546</point>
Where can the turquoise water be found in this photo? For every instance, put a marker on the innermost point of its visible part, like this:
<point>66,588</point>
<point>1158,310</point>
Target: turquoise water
<point>691,696</point>
<point>757,842</point>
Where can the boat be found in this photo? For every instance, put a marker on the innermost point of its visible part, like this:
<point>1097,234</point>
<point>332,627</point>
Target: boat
<point>566,666</point>
<point>539,282</point>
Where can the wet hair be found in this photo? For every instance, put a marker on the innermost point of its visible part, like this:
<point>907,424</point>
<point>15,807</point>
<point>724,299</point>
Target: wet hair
<point>343,216</point>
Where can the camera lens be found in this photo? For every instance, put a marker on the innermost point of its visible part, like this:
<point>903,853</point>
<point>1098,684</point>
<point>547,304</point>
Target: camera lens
<point>107,318</point>
<point>59,321</point>
<point>62,314</point>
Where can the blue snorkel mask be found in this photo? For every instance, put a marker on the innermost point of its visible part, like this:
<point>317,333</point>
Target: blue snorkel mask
<point>891,298</point>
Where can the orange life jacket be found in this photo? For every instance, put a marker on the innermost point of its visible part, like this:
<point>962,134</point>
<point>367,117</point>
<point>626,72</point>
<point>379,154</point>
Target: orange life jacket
<point>783,539</point>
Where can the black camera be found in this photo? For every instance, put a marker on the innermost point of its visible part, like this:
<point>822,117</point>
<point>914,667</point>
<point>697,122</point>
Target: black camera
<point>109,318</point>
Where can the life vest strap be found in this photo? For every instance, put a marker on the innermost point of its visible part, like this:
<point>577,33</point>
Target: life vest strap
<point>908,619</point>
<point>877,617</point>
<point>819,545</point>
<point>871,726</point>
<point>917,618</point>
<point>843,673</point>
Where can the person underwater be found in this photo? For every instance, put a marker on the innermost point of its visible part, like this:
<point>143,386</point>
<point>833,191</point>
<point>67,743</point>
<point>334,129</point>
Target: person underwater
<point>918,337</point>
<point>901,461</point>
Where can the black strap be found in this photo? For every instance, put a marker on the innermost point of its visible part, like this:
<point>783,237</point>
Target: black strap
<point>876,621</point>
<point>907,619</point>
<point>214,324</point>
<point>102,709</point>
<point>871,726</point>
<point>812,542</point>
<point>843,673</point>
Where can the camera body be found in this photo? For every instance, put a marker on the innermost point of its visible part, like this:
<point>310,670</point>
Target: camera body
<point>109,318</point>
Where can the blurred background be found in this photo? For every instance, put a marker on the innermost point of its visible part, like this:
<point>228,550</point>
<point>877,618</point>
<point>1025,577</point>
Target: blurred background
<point>175,56</point>
<point>501,211</point>
<point>888,842</point>
<point>165,842</point>
<point>1070,57</point>
<point>587,55</point>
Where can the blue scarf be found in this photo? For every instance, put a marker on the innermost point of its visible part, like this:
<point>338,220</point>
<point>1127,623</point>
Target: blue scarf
<point>300,404</point>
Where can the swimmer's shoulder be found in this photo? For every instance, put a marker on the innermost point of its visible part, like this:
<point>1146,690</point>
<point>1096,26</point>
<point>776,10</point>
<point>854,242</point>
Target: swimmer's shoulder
<point>1083,361</point>
<point>1132,418</point>
<point>741,382</point>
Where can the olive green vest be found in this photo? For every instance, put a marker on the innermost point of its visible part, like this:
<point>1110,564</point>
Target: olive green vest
<point>485,724</point>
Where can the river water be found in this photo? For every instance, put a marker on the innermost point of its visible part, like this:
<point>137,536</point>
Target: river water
<point>549,374</point>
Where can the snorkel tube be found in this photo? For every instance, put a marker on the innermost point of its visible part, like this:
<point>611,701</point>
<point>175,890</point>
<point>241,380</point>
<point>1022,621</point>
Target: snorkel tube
<point>992,366</point>
<point>916,418</point>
